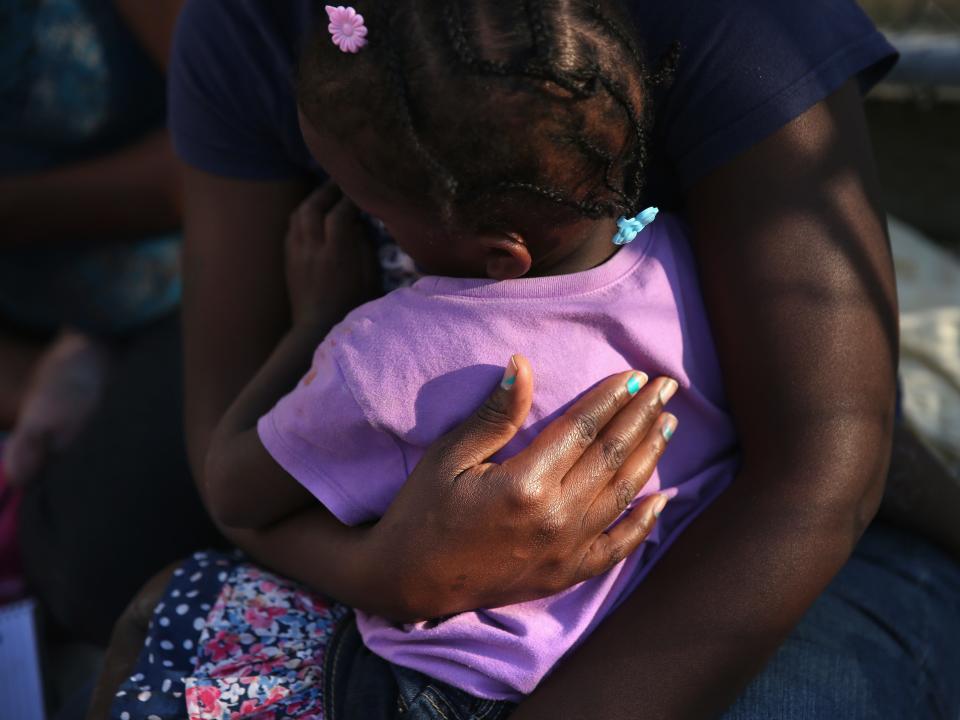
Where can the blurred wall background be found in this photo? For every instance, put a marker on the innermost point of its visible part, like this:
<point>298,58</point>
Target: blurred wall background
<point>915,116</point>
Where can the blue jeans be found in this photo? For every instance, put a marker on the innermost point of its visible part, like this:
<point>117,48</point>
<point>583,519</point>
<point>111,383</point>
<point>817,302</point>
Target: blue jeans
<point>882,642</point>
<point>359,684</point>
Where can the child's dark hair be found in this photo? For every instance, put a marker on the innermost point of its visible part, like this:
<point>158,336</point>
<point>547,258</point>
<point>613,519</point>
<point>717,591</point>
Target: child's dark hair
<point>493,105</point>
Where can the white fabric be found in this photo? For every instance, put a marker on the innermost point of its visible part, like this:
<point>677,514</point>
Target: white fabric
<point>928,280</point>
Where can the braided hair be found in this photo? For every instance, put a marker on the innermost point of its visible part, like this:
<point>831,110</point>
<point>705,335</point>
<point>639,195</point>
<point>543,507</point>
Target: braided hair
<point>495,107</point>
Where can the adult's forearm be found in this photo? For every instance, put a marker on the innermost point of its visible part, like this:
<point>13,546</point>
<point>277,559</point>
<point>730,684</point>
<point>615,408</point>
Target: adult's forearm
<point>125,195</point>
<point>723,598</point>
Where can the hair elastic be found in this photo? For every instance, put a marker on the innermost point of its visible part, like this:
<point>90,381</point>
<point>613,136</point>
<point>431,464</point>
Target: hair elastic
<point>347,29</point>
<point>631,227</point>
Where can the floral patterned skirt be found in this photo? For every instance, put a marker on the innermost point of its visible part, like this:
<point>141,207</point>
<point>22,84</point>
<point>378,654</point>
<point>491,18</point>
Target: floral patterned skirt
<point>230,641</point>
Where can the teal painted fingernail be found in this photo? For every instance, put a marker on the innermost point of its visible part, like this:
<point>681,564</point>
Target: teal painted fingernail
<point>509,375</point>
<point>669,428</point>
<point>667,391</point>
<point>636,381</point>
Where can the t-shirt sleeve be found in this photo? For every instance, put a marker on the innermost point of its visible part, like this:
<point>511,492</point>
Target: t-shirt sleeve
<point>229,94</point>
<point>320,435</point>
<point>749,67</point>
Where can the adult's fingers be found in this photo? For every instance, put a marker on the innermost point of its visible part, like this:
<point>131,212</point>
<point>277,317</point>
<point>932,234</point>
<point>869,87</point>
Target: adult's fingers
<point>617,494</point>
<point>619,541</point>
<point>560,445</point>
<point>492,426</point>
<point>617,441</point>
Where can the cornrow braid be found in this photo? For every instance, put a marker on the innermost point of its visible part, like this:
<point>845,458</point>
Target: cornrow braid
<point>637,120</point>
<point>619,32</point>
<point>594,210</point>
<point>639,161</point>
<point>535,69</point>
<point>464,51</point>
<point>592,150</point>
<point>401,91</point>
<point>578,54</point>
<point>581,84</point>
<point>538,30</point>
<point>667,67</point>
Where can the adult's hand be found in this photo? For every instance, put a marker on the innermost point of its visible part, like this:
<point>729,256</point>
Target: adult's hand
<point>466,533</point>
<point>529,527</point>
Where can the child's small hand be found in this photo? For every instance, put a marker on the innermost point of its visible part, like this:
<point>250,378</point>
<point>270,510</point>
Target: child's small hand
<point>331,263</point>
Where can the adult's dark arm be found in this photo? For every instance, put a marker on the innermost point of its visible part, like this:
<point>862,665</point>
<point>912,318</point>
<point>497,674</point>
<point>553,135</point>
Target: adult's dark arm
<point>798,282</point>
<point>235,307</point>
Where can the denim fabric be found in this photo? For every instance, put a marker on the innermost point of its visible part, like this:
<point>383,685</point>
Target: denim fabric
<point>359,684</point>
<point>881,643</point>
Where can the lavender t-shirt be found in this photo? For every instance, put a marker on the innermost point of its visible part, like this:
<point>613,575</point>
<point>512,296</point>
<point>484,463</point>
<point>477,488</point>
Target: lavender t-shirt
<point>400,371</point>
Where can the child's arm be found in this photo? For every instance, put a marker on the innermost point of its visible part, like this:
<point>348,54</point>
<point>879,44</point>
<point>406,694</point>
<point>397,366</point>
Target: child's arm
<point>498,518</point>
<point>244,485</point>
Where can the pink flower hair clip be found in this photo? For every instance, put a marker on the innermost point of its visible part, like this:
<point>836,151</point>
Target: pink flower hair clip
<point>347,29</point>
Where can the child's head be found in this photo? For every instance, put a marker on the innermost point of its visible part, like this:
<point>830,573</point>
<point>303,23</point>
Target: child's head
<point>488,135</point>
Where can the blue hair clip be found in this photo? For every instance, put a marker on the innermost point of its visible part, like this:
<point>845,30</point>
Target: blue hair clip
<point>631,227</point>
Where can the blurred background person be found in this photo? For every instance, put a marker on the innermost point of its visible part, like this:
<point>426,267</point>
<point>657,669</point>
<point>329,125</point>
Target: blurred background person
<point>90,392</point>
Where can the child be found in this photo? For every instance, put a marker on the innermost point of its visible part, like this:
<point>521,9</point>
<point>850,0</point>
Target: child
<point>499,143</point>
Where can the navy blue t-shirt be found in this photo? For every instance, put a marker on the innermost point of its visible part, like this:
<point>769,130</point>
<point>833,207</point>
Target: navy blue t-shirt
<point>747,68</point>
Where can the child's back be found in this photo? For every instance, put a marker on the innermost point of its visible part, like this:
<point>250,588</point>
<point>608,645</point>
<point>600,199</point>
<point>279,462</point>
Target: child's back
<point>402,370</point>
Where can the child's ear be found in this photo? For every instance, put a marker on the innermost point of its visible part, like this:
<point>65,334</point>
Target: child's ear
<point>508,256</point>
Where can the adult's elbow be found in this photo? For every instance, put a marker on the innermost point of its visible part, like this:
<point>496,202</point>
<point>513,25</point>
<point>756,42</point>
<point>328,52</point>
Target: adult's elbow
<point>853,476</point>
<point>825,477</point>
<point>866,495</point>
